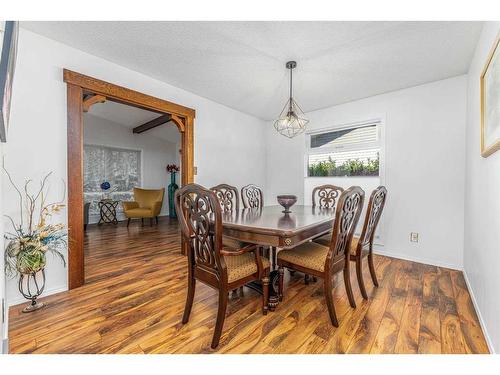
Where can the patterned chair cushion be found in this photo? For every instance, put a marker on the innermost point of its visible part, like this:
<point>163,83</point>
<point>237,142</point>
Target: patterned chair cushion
<point>241,266</point>
<point>325,241</point>
<point>354,245</point>
<point>233,244</point>
<point>135,213</point>
<point>309,255</point>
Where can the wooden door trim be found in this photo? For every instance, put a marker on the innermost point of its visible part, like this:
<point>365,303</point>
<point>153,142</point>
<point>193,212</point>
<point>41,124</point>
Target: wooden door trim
<point>125,95</point>
<point>77,85</point>
<point>75,187</point>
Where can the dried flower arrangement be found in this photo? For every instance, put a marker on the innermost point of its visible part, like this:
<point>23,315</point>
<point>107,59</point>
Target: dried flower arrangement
<point>33,237</point>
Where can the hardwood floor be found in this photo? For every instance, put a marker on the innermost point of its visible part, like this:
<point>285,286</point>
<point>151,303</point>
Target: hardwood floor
<point>135,293</point>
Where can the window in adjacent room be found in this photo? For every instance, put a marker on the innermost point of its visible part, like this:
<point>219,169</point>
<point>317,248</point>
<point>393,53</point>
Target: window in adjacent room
<point>120,167</point>
<point>348,151</point>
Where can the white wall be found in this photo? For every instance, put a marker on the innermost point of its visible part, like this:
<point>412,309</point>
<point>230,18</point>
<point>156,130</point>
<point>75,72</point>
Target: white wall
<point>3,314</point>
<point>229,145</point>
<point>156,153</point>
<point>424,174</point>
<point>482,204</point>
<point>3,326</point>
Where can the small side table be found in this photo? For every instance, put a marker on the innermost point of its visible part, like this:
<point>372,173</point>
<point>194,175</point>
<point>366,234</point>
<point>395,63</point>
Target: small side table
<point>107,210</point>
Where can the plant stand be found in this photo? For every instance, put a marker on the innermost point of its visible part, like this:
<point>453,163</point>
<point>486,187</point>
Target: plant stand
<point>107,210</point>
<point>31,289</point>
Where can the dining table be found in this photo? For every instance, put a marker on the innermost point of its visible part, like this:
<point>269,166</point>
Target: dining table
<point>271,228</point>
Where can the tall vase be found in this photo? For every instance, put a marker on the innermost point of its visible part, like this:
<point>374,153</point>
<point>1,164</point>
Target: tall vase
<point>31,287</point>
<point>171,192</point>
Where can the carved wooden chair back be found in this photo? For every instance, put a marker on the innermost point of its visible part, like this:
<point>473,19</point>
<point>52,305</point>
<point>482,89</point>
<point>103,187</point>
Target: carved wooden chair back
<point>200,219</point>
<point>347,214</point>
<point>228,197</point>
<point>326,196</point>
<point>252,196</point>
<point>373,213</point>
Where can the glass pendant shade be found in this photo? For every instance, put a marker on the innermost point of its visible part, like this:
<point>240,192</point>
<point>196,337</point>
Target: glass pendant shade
<point>291,120</point>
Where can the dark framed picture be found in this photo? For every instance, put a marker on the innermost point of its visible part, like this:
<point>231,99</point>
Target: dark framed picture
<point>7,67</point>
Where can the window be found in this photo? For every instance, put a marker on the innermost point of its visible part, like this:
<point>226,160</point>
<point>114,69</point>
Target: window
<point>349,151</point>
<point>120,167</point>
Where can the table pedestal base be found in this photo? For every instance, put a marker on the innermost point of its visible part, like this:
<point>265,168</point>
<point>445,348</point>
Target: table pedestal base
<point>273,289</point>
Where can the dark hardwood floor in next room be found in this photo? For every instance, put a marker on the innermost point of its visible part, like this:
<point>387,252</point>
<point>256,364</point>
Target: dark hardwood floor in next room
<point>136,290</point>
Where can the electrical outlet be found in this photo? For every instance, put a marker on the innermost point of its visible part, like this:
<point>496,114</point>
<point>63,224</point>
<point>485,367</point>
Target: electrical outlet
<point>195,170</point>
<point>413,237</point>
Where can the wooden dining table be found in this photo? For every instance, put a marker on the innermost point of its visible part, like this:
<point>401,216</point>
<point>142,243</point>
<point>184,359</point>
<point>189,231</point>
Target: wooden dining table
<point>268,226</point>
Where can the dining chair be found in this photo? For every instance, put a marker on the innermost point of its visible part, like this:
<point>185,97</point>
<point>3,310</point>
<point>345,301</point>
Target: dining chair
<point>252,196</point>
<point>362,246</point>
<point>325,261</point>
<point>228,197</point>
<point>326,196</point>
<point>229,200</point>
<point>222,268</point>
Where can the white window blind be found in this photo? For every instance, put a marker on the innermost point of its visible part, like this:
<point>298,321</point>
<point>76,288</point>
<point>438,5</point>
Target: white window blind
<point>346,137</point>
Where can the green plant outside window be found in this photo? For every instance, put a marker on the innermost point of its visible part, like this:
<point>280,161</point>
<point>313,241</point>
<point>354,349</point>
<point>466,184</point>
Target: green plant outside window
<point>351,167</point>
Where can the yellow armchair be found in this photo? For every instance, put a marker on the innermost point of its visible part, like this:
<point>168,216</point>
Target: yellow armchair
<point>147,204</point>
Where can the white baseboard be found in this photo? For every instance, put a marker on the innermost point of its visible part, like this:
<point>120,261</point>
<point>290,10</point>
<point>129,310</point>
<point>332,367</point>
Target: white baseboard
<point>5,346</point>
<point>46,292</point>
<point>479,315</point>
<point>432,262</point>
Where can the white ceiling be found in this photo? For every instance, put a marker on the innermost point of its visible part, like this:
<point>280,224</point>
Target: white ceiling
<point>241,64</point>
<point>130,117</point>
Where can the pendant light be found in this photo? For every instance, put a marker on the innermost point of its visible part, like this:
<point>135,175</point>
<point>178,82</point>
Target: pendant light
<point>291,120</point>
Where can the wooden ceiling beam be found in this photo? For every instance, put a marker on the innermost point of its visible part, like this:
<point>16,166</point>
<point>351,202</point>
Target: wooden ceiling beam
<point>90,101</point>
<point>152,124</point>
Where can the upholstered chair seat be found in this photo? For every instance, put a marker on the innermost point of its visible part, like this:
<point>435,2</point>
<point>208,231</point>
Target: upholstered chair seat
<point>241,266</point>
<point>354,245</point>
<point>232,243</point>
<point>308,255</point>
<point>138,213</point>
<point>326,239</point>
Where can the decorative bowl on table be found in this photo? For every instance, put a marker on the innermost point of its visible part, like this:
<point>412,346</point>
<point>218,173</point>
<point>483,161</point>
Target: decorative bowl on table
<point>286,201</point>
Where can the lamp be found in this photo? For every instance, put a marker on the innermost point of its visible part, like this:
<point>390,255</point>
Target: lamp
<point>291,120</point>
